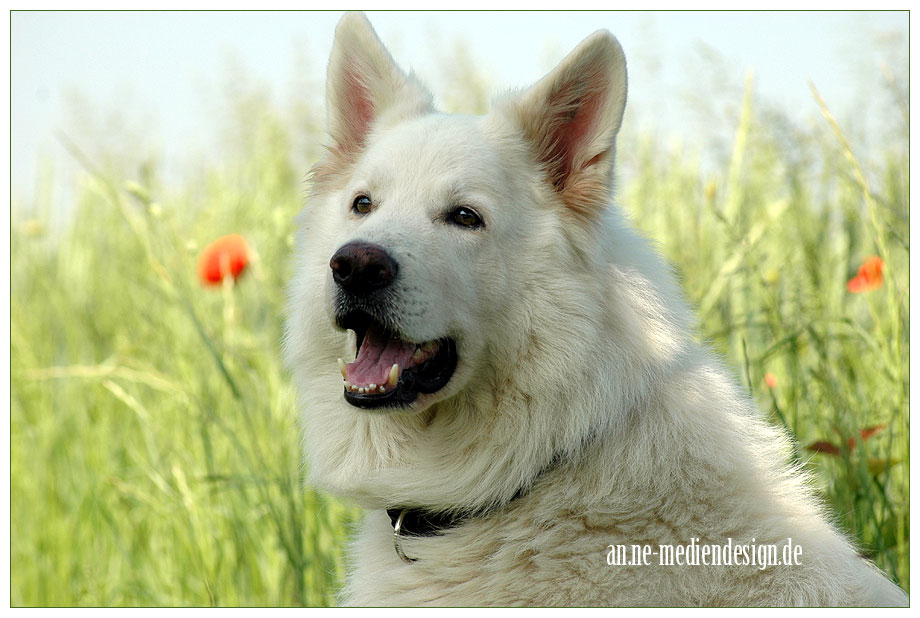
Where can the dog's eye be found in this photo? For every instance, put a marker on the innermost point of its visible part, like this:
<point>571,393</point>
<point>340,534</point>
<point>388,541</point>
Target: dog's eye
<point>466,217</point>
<point>361,205</point>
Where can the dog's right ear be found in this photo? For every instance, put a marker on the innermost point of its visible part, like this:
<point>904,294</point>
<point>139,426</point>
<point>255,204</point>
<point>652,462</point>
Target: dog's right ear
<point>570,118</point>
<point>365,88</point>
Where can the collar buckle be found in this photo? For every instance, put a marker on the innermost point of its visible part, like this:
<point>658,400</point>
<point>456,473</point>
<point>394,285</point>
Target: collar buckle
<point>397,527</point>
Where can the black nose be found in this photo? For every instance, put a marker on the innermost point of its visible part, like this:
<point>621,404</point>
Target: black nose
<point>361,267</point>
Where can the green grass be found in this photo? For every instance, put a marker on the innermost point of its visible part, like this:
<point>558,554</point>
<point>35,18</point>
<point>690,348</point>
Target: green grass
<point>155,449</point>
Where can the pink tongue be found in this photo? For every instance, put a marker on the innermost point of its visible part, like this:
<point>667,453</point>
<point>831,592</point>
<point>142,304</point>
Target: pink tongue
<point>376,357</point>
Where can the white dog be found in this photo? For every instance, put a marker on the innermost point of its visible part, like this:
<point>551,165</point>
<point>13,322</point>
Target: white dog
<point>526,405</point>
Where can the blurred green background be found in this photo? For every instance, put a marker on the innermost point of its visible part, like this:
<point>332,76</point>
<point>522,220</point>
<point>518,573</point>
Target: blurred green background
<point>155,447</point>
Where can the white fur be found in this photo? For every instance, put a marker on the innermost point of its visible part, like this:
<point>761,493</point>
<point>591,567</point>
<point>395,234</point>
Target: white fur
<point>574,344</point>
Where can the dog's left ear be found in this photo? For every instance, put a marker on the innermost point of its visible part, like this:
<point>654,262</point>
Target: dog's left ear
<point>571,118</point>
<point>365,87</point>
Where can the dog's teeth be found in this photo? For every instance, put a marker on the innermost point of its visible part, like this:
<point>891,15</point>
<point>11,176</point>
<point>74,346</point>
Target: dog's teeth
<point>382,388</point>
<point>394,375</point>
<point>372,388</point>
<point>343,368</point>
<point>417,355</point>
<point>429,347</point>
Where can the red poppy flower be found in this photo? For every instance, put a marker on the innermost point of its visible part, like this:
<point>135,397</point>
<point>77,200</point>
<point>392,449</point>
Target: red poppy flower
<point>869,276</point>
<point>770,379</point>
<point>865,434</point>
<point>823,446</point>
<point>228,255</point>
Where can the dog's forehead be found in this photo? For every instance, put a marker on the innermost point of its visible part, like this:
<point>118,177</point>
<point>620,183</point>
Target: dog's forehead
<point>437,148</point>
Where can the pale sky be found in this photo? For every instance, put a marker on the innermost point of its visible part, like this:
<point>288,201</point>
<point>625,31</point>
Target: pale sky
<point>161,67</point>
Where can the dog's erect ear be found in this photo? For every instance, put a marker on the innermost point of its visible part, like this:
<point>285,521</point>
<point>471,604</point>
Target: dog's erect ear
<point>571,118</point>
<point>364,86</point>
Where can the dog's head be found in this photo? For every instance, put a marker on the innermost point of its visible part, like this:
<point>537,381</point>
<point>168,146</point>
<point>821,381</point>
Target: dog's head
<point>423,228</point>
<point>466,306</point>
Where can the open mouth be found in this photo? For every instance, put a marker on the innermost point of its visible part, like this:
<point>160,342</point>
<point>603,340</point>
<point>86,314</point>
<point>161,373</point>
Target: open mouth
<point>389,371</point>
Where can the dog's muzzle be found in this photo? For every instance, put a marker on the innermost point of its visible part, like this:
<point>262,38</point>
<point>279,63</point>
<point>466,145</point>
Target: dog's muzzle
<point>389,369</point>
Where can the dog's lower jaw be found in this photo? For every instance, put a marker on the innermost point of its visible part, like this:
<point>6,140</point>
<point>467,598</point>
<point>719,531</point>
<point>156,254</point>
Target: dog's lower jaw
<point>391,370</point>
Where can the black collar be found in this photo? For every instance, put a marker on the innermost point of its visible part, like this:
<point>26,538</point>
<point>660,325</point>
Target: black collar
<point>423,522</point>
